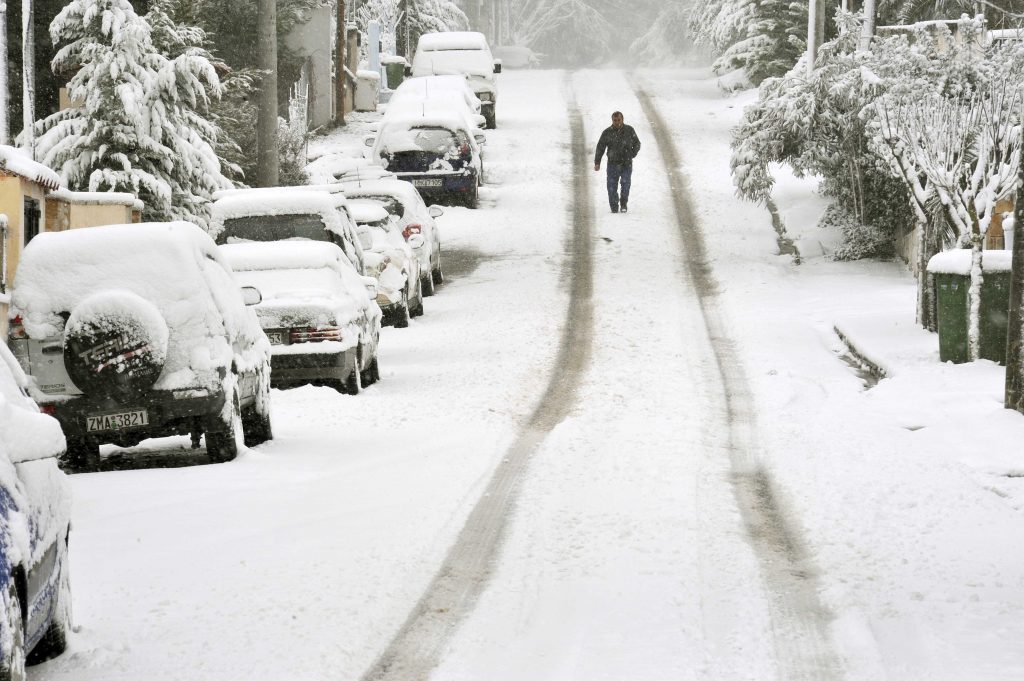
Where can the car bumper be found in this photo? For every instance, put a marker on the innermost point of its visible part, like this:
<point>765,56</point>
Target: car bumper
<point>441,184</point>
<point>297,369</point>
<point>165,413</point>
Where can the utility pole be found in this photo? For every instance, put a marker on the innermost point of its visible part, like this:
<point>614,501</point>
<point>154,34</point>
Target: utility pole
<point>28,70</point>
<point>266,122</point>
<point>5,126</point>
<point>340,79</point>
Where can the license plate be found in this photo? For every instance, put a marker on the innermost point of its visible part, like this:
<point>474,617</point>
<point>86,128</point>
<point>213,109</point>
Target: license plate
<point>119,421</point>
<point>275,337</point>
<point>426,183</point>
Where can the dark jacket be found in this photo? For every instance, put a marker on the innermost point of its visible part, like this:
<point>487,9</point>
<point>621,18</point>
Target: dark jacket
<point>623,145</point>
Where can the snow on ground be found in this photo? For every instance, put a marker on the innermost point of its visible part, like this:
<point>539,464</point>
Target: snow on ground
<point>301,559</point>
<point>626,557</point>
<point>905,490</point>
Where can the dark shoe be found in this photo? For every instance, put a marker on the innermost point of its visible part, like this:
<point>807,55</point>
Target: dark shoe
<point>622,207</point>
<point>614,209</point>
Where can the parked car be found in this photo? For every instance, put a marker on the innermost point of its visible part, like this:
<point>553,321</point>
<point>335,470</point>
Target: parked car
<point>517,57</point>
<point>137,331</point>
<point>405,203</point>
<point>320,315</point>
<point>35,522</point>
<point>392,261</point>
<point>442,102</point>
<point>427,87</point>
<point>309,212</point>
<point>461,52</point>
<point>439,155</point>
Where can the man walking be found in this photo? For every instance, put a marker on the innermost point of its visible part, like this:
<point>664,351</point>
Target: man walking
<point>623,145</point>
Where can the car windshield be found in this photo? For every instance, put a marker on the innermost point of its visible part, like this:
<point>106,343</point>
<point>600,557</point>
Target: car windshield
<point>389,203</point>
<point>439,141</point>
<point>273,228</point>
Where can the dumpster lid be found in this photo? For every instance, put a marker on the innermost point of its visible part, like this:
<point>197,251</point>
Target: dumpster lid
<point>958,261</point>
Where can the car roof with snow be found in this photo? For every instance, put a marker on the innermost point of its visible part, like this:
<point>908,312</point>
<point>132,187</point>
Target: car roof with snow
<point>334,189</point>
<point>452,40</point>
<point>367,211</point>
<point>277,201</point>
<point>280,255</point>
<point>409,121</point>
<point>397,188</point>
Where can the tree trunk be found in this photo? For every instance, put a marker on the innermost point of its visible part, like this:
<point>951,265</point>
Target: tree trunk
<point>5,125</point>
<point>867,31</point>
<point>1013,397</point>
<point>974,301</point>
<point>340,80</point>
<point>815,31</point>
<point>266,124</point>
<point>28,69</point>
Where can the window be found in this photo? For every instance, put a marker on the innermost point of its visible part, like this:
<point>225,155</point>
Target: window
<point>31,223</point>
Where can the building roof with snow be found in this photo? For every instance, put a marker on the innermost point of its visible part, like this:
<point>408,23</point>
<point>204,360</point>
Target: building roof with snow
<point>15,161</point>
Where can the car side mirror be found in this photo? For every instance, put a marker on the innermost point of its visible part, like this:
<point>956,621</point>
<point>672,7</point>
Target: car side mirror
<point>369,141</point>
<point>251,296</point>
<point>416,240</point>
<point>497,66</point>
<point>435,211</point>
<point>480,138</point>
<point>41,438</point>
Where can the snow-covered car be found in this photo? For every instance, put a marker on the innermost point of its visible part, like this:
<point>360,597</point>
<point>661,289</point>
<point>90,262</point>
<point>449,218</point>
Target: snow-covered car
<point>439,155</point>
<point>405,203</point>
<point>308,213</point>
<point>461,52</point>
<point>320,315</point>
<point>137,331</point>
<point>427,87</point>
<point>442,102</point>
<point>35,523</point>
<point>517,56</point>
<point>392,260</point>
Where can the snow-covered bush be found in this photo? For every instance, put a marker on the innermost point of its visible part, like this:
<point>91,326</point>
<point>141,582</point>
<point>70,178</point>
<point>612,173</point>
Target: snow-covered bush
<point>142,125</point>
<point>859,240</point>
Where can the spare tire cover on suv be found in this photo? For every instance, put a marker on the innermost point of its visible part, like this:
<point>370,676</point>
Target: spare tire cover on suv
<point>115,342</point>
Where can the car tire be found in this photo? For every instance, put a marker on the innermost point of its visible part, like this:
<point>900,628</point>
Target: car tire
<point>438,274</point>
<point>491,122</point>
<point>82,455</point>
<point>402,313</point>
<point>354,382</point>
<point>427,285</point>
<point>372,373</point>
<point>417,309</point>
<point>222,437</point>
<point>256,420</point>
<point>473,199</point>
<point>12,666</point>
<point>55,640</point>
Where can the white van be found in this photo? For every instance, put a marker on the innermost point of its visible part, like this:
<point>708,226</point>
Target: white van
<point>464,52</point>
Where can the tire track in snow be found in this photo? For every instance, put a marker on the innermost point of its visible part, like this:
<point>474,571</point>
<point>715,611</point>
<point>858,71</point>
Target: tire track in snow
<point>800,623</point>
<point>419,645</point>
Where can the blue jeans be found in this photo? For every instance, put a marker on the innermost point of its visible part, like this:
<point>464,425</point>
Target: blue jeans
<point>619,172</point>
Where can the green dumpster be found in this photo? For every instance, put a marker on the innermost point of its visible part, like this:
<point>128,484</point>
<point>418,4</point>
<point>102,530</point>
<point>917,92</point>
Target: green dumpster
<point>951,271</point>
<point>396,73</point>
<point>953,308</point>
<point>995,315</point>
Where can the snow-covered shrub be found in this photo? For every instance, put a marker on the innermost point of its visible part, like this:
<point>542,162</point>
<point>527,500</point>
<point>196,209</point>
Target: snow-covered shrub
<point>859,240</point>
<point>142,125</point>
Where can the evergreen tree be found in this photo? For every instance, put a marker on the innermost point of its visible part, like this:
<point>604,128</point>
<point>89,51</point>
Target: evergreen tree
<point>142,124</point>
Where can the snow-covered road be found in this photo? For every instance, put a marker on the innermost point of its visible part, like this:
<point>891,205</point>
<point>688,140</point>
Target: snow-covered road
<point>623,549</point>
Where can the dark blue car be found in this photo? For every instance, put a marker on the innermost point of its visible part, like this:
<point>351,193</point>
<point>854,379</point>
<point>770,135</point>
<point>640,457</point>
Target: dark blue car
<point>35,517</point>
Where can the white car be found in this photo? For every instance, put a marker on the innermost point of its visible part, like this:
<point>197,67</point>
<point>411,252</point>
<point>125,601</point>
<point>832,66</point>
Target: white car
<point>392,260</point>
<point>309,212</point>
<point>440,102</point>
<point>319,314</point>
<point>461,52</point>
<point>427,87</point>
<point>405,203</point>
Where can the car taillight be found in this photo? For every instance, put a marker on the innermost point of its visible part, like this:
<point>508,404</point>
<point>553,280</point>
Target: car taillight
<point>16,329</point>
<point>309,334</point>
<point>50,409</point>
<point>412,229</point>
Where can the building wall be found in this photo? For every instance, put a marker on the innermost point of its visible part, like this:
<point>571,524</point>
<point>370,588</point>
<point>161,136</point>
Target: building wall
<point>312,40</point>
<point>13,191</point>
<point>93,215</point>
